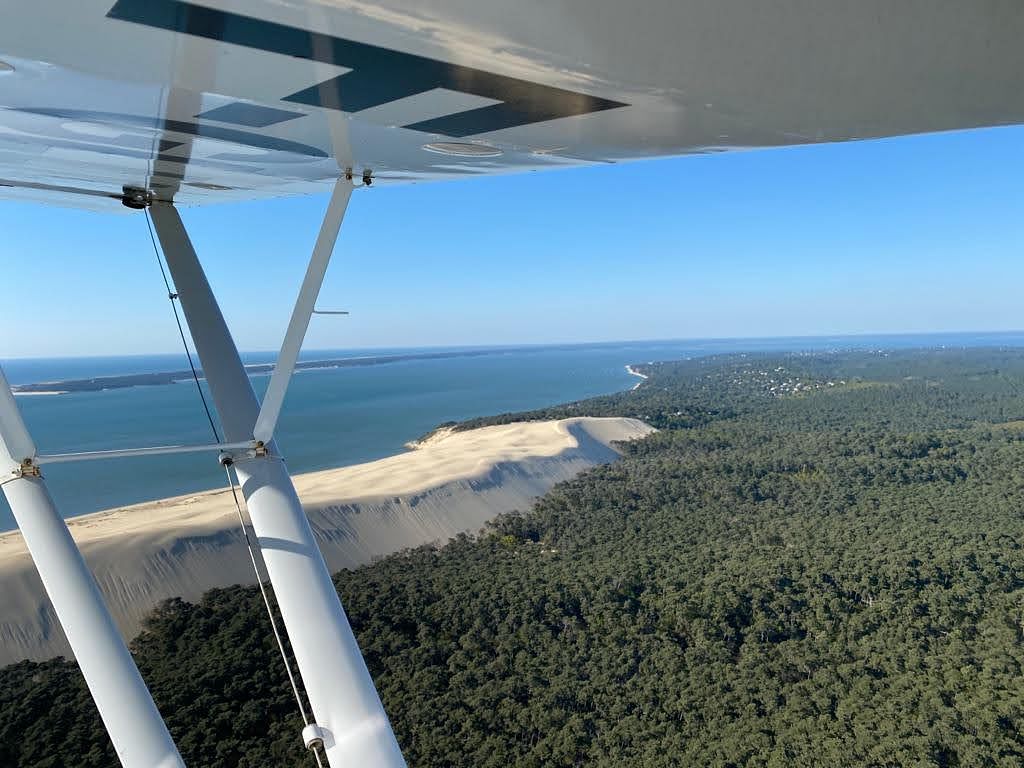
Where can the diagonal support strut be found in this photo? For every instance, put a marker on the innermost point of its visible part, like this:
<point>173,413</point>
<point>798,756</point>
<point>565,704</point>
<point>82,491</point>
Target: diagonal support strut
<point>305,304</point>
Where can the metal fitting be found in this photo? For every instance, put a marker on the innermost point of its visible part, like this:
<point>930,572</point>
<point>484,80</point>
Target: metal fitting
<point>136,198</point>
<point>229,456</point>
<point>27,468</point>
<point>313,737</point>
<point>367,176</point>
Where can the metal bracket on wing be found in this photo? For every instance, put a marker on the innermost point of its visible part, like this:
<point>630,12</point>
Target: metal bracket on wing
<point>305,305</point>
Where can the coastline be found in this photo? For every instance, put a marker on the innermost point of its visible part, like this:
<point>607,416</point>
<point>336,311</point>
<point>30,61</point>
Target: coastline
<point>634,372</point>
<point>180,547</point>
<point>162,378</point>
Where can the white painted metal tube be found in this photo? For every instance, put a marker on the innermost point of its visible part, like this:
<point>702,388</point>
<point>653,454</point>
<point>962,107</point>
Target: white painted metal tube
<point>158,450</point>
<point>341,694</point>
<point>266,422</point>
<point>136,729</point>
<point>14,437</point>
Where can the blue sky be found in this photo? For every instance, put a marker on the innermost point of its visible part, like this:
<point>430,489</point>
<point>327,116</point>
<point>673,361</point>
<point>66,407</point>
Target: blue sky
<point>903,235</point>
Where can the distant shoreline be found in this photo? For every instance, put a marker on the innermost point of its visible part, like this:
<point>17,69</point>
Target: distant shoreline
<point>102,383</point>
<point>846,342</point>
<point>634,372</point>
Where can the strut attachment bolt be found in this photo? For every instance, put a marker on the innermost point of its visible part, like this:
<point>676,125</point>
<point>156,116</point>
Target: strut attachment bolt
<point>27,468</point>
<point>136,198</point>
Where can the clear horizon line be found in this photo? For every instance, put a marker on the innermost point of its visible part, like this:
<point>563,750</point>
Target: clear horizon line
<point>507,345</point>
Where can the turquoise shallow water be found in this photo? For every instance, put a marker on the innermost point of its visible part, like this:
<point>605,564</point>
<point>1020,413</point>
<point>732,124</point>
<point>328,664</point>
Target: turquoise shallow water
<point>334,417</point>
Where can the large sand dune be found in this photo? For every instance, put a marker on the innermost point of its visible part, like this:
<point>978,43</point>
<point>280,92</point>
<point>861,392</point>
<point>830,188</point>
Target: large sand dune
<point>180,547</point>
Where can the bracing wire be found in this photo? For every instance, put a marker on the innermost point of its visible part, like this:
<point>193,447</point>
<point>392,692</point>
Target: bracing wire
<point>173,296</point>
<point>270,611</point>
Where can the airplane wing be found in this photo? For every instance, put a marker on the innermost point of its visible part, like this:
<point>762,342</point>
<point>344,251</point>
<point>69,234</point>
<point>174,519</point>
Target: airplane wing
<point>228,99</point>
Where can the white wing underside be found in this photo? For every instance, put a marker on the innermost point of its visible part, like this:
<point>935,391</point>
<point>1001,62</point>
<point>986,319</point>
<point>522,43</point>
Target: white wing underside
<point>232,100</point>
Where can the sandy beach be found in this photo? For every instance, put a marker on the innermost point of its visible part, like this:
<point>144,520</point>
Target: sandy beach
<point>634,372</point>
<point>453,482</point>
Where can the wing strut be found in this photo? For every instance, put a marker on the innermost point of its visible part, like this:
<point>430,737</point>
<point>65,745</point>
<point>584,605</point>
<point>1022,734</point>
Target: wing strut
<point>14,437</point>
<point>350,721</point>
<point>136,729</point>
<point>304,307</point>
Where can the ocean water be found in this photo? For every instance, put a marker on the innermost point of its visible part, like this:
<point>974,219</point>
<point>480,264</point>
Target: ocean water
<point>340,416</point>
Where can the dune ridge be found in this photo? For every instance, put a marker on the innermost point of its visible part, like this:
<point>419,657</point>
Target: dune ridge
<point>180,547</point>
